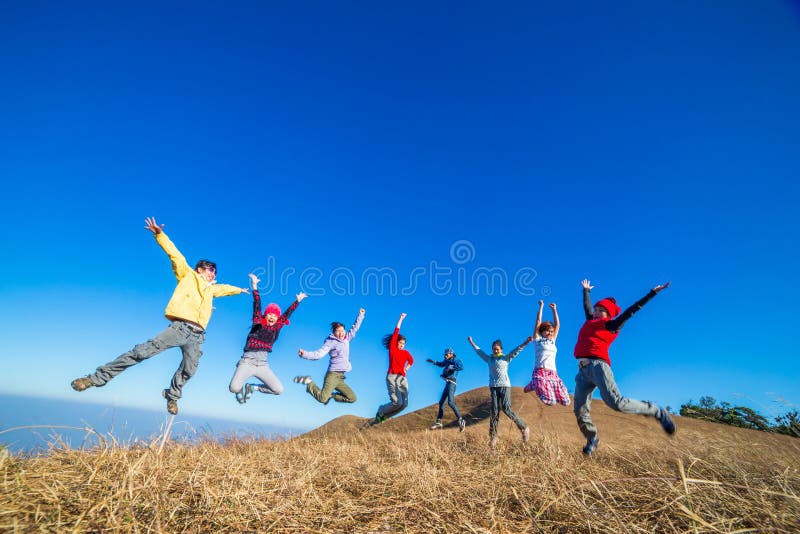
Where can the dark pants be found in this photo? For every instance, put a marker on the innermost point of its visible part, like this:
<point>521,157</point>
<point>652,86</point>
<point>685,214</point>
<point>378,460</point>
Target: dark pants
<point>447,396</point>
<point>501,399</point>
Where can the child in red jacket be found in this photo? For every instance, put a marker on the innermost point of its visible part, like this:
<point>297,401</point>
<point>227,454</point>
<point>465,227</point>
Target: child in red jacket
<point>603,322</point>
<point>396,383</point>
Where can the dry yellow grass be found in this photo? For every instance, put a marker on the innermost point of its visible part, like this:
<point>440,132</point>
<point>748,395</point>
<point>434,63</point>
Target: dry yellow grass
<point>401,477</point>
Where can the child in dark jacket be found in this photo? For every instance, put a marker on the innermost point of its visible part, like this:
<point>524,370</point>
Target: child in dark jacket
<point>603,322</point>
<point>451,366</point>
<point>263,334</point>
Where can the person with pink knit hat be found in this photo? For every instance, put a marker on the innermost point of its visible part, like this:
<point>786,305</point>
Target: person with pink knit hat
<point>603,323</point>
<point>263,334</point>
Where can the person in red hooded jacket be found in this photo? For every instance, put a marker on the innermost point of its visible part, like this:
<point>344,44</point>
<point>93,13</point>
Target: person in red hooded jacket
<point>263,334</point>
<point>603,322</point>
<point>396,383</point>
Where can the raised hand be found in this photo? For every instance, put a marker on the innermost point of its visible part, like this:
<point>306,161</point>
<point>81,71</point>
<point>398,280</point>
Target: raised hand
<point>254,280</point>
<point>362,311</point>
<point>300,296</point>
<point>402,316</point>
<point>300,352</point>
<point>151,224</point>
<point>661,287</point>
<point>553,306</point>
<point>586,284</point>
<point>541,304</point>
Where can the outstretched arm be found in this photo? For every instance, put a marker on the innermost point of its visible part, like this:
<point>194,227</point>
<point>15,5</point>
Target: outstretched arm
<point>513,354</point>
<point>614,325</point>
<point>316,354</point>
<point>482,355</point>
<point>292,307</point>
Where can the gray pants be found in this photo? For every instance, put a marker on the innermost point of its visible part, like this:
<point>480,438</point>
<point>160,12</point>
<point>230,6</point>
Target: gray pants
<point>333,387</point>
<point>397,386</point>
<point>255,364</point>
<point>597,374</point>
<point>501,399</point>
<point>177,334</point>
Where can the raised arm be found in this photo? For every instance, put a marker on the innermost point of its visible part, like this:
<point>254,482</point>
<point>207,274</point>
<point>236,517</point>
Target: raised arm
<point>179,264</point>
<point>256,299</point>
<point>556,323</point>
<point>538,318</point>
<point>225,290</point>
<point>356,325</point>
<point>614,325</point>
<point>482,355</point>
<point>395,335</point>
<point>514,353</point>
<point>292,307</point>
<point>587,298</point>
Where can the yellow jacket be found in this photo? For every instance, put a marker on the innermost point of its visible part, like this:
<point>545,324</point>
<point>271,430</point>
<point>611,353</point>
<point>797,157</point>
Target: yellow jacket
<point>193,296</point>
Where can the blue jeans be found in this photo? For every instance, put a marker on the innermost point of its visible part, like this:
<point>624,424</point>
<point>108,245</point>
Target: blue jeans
<point>177,334</point>
<point>597,374</point>
<point>447,396</point>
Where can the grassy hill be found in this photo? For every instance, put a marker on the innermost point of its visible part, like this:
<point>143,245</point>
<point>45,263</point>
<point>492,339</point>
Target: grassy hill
<point>399,476</point>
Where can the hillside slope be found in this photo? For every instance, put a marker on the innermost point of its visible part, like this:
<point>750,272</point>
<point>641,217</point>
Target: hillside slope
<point>399,476</point>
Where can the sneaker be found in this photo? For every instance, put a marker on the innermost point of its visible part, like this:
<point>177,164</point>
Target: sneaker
<point>79,384</point>
<point>462,424</point>
<point>172,404</point>
<point>492,442</point>
<point>526,434</point>
<point>666,421</point>
<point>248,392</point>
<point>240,396</point>
<point>379,417</point>
<point>590,446</point>
<point>437,424</point>
<point>303,379</point>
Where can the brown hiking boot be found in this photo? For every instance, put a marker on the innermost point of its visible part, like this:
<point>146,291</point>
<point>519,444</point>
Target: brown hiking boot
<point>172,404</point>
<point>79,384</point>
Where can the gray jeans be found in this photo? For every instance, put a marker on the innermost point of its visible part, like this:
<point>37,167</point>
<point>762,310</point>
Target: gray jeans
<point>397,386</point>
<point>177,334</point>
<point>597,374</point>
<point>501,399</point>
<point>255,364</point>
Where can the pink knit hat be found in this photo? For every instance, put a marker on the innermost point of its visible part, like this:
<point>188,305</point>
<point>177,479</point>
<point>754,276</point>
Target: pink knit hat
<point>273,308</point>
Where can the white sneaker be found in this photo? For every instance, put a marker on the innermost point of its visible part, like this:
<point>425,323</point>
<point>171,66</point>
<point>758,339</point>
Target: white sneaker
<point>462,424</point>
<point>437,424</point>
<point>303,379</point>
<point>526,434</point>
<point>493,442</point>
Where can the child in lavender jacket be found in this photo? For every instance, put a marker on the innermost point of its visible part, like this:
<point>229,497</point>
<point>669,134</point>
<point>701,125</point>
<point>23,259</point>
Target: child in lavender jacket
<point>337,345</point>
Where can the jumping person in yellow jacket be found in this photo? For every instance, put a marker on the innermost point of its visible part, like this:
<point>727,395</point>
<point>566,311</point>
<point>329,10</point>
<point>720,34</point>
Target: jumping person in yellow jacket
<point>188,311</point>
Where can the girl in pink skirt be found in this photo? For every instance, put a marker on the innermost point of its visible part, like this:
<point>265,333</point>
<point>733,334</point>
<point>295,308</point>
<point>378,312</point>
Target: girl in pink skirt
<point>544,380</point>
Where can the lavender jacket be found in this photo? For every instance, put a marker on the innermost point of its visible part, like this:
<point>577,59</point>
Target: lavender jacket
<point>339,349</point>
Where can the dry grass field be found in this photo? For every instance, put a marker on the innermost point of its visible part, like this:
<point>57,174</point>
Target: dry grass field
<point>401,477</point>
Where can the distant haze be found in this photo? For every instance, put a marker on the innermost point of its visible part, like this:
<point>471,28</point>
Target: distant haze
<point>126,425</point>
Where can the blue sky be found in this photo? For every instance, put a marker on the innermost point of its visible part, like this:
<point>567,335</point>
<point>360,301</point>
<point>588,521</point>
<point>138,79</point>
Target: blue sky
<point>631,143</point>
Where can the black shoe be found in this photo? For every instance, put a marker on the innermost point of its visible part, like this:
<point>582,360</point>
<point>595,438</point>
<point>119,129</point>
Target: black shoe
<point>590,446</point>
<point>666,421</point>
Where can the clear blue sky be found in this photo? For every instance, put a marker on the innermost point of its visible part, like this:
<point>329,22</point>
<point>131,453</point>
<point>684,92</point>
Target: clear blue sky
<point>631,143</point>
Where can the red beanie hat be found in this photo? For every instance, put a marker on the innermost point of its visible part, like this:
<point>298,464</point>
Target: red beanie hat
<point>273,308</point>
<point>610,304</point>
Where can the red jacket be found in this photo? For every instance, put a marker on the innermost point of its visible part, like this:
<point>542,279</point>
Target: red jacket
<point>398,357</point>
<point>594,339</point>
